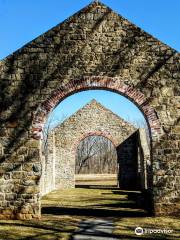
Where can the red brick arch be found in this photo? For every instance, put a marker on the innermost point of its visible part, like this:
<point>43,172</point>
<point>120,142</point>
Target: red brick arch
<point>91,83</point>
<point>97,133</point>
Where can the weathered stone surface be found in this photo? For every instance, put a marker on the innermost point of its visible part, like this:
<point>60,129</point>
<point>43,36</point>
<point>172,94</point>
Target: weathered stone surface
<point>94,49</point>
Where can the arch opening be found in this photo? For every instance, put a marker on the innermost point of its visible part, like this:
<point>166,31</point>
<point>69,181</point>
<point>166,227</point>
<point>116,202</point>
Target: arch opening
<point>139,178</point>
<point>121,144</point>
<point>96,162</point>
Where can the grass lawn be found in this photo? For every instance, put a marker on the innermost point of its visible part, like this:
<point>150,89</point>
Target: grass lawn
<point>63,210</point>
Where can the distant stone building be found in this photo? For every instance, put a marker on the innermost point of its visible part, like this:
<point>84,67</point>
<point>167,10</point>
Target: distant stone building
<point>91,120</point>
<point>94,49</point>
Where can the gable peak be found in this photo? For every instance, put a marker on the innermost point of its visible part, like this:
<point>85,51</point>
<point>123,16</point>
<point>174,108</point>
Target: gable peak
<point>97,3</point>
<point>94,102</point>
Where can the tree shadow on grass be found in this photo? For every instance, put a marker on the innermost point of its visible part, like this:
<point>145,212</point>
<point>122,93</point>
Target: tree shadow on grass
<point>36,230</point>
<point>130,206</point>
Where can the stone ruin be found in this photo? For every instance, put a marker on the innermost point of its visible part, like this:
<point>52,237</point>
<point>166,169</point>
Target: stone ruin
<point>94,120</point>
<point>94,49</point>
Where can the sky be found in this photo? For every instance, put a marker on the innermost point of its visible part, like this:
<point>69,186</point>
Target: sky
<point>23,20</point>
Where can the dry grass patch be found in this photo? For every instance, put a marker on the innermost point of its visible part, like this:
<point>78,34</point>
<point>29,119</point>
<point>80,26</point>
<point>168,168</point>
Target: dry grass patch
<point>64,209</point>
<point>126,227</point>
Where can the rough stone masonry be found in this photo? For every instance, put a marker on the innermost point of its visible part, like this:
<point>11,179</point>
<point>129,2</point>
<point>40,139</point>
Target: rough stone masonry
<point>94,49</point>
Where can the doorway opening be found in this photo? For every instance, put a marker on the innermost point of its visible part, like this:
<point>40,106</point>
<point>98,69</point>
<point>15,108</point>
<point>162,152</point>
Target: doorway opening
<point>96,163</point>
<point>124,157</point>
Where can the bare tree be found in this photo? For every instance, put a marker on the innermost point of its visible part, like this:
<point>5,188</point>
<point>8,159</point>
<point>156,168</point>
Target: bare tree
<point>51,123</point>
<point>87,150</point>
<point>96,154</point>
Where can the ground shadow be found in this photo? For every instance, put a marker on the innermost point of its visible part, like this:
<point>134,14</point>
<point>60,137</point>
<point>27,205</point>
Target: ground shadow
<point>91,212</point>
<point>132,206</point>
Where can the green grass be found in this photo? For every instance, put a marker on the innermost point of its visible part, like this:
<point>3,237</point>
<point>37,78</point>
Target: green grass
<point>64,209</point>
<point>126,227</point>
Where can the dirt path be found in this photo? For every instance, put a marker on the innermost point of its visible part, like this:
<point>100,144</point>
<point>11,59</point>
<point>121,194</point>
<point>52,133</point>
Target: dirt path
<point>94,230</point>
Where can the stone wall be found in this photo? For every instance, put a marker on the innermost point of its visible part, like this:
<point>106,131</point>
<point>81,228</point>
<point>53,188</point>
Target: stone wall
<point>131,146</point>
<point>94,49</point>
<point>128,163</point>
<point>134,162</point>
<point>48,166</point>
<point>144,159</point>
<point>91,120</point>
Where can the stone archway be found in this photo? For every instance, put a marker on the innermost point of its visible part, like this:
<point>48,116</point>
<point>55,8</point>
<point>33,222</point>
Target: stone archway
<point>94,49</point>
<point>87,83</point>
<point>105,83</point>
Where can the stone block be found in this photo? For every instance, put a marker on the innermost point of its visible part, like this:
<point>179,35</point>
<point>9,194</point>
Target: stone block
<point>31,189</point>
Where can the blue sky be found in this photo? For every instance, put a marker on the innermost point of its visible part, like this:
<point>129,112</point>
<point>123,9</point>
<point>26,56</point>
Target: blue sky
<point>24,20</point>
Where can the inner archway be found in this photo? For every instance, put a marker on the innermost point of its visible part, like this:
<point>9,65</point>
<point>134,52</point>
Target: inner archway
<point>96,162</point>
